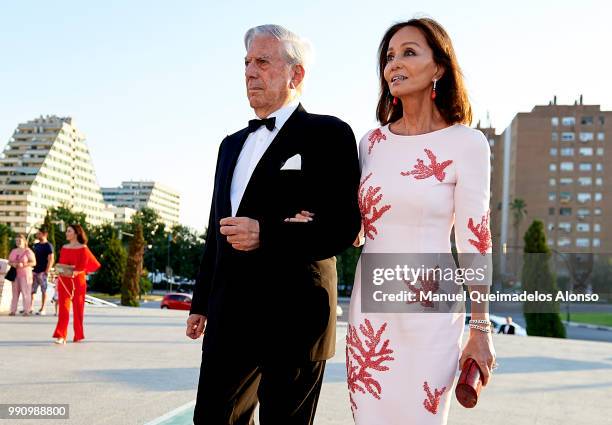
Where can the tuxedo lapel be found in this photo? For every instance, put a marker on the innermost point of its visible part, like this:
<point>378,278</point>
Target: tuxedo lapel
<point>230,158</point>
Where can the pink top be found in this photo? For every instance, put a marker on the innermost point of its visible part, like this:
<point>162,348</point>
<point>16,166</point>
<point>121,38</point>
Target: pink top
<point>25,256</point>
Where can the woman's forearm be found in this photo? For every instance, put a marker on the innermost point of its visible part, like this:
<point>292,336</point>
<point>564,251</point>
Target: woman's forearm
<point>480,309</point>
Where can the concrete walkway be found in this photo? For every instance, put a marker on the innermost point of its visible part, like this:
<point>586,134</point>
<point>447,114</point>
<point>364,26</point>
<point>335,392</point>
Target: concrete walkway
<point>136,365</point>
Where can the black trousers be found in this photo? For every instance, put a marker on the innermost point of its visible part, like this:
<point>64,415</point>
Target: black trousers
<point>230,388</point>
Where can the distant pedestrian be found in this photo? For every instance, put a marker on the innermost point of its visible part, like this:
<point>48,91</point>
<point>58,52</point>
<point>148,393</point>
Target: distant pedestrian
<point>75,261</point>
<point>508,328</point>
<point>43,250</point>
<point>23,259</point>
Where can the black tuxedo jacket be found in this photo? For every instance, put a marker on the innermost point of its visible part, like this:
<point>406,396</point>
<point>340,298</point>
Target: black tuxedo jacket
<point>280,299</point>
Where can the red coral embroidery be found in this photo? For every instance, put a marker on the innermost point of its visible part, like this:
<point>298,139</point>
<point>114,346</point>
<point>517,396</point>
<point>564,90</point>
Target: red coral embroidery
<point>369,213</point>
<point>422,171</point>
<point>482,233</point>
<point>360,358</point>
<point>375,137</point>
<point>432,401</point>
<point>428,285</point>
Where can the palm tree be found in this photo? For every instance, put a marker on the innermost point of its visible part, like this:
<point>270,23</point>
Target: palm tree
<point>519,211</point>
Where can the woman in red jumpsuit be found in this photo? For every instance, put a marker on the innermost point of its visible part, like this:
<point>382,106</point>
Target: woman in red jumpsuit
<point>72,287</point>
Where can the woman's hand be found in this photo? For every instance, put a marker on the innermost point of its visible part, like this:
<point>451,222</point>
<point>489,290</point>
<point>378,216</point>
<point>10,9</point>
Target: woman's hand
<point>480,348</point>
<point>301,217</point>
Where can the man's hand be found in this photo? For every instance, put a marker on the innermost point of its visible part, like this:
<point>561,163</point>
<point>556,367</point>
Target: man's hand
<point>241,232</point>
<point>195,326</point>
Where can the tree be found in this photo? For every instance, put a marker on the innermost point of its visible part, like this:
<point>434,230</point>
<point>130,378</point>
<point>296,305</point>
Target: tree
<point>6,234</point>
<point>64,213</point>
<point>130,289</point>
<point>154,233</point>
<point>100,236</point>
<point>346,266</point>
<point>113,263</point>
<point>48,224</point>
<point>518,208</point>
<point>186,247</point>
<point>542,317</point>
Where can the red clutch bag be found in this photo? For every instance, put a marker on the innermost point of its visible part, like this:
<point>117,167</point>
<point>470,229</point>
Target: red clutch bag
<point>469,384</point>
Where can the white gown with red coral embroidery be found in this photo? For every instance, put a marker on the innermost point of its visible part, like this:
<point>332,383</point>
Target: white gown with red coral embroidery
<point>401,366</point>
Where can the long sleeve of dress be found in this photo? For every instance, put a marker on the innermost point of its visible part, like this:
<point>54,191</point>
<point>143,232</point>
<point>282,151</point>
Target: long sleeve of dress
<point>472,193</point>
<point>86,261</point>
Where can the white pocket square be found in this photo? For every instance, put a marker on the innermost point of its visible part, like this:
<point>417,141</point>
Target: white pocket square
<point>293,163</point>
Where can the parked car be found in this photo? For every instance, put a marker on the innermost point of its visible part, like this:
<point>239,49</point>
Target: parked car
<point>497,322</point>
<point>176,301</point>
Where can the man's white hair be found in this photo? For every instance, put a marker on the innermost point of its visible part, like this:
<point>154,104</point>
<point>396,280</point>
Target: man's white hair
<point>296,50</point>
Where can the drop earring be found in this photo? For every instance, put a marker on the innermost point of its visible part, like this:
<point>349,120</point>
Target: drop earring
<point>433,92</point>
<point>394,100</point>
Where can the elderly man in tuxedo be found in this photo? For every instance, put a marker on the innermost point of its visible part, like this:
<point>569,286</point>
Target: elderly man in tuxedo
<point>265,295</point>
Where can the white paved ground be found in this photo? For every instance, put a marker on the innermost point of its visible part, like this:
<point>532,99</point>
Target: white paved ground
<point>136,365</point>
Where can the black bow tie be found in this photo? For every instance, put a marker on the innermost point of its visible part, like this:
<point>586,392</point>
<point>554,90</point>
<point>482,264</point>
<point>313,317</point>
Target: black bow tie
<point>268,122</point>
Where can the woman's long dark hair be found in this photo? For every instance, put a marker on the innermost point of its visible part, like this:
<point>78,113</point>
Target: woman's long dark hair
<point>81,236</point>
<point>451,95</point>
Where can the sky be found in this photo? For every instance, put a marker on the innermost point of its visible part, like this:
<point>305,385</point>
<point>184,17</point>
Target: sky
<point>156,85</point>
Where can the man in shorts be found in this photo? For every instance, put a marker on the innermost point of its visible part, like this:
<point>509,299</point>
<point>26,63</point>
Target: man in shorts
<point>43,250</point>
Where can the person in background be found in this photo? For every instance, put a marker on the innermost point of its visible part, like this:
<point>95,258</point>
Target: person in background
<point>23,259</point>
<point>43,250</point>
<point>508,328</point>
<point>71,287</point>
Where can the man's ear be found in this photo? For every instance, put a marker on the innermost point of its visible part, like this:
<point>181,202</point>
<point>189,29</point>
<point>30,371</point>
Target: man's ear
<point>297,76</point>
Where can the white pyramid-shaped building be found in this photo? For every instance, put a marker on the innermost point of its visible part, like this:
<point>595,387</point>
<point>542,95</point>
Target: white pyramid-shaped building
<point>47,163</point>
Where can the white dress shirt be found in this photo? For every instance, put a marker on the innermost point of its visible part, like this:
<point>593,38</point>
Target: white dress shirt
<point>253,149</point>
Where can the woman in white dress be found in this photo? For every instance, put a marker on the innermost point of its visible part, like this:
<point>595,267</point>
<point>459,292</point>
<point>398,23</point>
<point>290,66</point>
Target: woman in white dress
<point>423,173</point>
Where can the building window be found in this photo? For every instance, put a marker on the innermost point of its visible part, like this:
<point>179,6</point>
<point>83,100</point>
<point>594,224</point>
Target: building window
<point>551,211</point>
<point>586,136</point>
<point>553,151</point>
<point>550,226</point>
<point>565,211</point>
<point>582,243</point>
<point>567,151</point>
<point>566,227</point>
<point>583,212</point>
<point>600,137</point>
<point>552,167</point>
<point>585,181</point>
<point>552,196</point>
<point>598,181</point>
<point>552,182</point>
<point>554,121</point>
<point>567,121</point>
<point>597,227</point>
<point>582,227</point>
<point>586,120</point>
<point>602,120</point>
<point>585,166</point>
<point>599,151</point>
<point>597,211</point>
<point>555,137</point>
<point>599,167</point>
<point>565,197</point>
<point>563,241</point>
<point>583,197</point>
<point>598,197</point>
<point>567,137</point>
<point>596,242</point>
<point>567,166</point>
<point>586,151</point>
